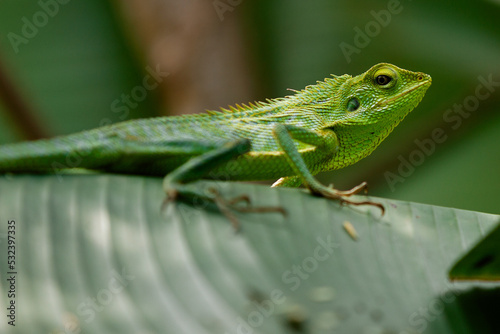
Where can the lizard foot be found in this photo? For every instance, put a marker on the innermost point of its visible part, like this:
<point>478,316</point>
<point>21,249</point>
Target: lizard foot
<point>342,196</point>
<point>228,206</point>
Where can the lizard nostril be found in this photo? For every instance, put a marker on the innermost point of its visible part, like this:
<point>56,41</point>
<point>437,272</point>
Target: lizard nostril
<point>420,78</point>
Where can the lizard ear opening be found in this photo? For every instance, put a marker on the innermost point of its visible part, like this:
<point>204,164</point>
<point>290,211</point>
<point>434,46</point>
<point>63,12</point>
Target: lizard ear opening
<point>352,104</point>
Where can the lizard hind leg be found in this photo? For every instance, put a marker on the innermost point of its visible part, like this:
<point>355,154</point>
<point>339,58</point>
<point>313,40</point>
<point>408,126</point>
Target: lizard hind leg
<point>176,184</point>
<point>228,206</point>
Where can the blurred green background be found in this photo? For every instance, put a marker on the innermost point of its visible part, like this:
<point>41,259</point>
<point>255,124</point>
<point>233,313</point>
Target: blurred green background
<point>72,65</point>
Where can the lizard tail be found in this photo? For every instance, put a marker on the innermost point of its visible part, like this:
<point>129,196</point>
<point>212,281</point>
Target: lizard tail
<point>81,150</point>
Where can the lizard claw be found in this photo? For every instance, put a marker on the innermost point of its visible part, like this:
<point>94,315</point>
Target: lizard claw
<point>242,198</point>
<point>357,189</point>
<point>344,201</point>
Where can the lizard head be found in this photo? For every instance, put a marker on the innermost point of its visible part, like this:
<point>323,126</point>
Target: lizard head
<point>370,105</point>
<point>384,94</point>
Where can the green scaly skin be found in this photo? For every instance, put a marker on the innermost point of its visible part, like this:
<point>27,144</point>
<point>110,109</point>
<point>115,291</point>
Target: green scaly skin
<point>325,126</point>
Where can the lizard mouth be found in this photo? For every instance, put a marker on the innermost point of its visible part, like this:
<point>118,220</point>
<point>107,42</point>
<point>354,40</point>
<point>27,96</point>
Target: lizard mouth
<point>417,86</point>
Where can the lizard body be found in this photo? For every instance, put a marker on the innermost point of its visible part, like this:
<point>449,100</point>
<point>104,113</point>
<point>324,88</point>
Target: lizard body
<point>325,126</point>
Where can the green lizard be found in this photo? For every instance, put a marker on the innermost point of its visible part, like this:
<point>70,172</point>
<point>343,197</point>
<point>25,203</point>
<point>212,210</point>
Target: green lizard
<point>323,127</point>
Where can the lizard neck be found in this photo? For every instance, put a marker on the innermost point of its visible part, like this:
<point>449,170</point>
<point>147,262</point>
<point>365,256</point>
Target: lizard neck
<point>357,142</point>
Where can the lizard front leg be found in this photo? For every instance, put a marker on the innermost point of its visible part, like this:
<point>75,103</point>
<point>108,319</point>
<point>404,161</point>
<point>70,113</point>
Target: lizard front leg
<point>285,135</point>
<point>198,167</point>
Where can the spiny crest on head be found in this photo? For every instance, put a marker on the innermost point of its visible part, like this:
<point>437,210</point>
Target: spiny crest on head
<point>320,88</point>
<point>325,85</point>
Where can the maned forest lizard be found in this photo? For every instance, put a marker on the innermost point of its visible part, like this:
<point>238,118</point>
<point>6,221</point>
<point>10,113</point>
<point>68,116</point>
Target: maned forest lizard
<point>325,126</point>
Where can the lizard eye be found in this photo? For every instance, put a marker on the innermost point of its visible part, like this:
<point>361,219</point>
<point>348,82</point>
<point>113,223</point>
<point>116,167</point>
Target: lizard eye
<point>385,77</point>
<point>383,80</point>
<point>352,104</point>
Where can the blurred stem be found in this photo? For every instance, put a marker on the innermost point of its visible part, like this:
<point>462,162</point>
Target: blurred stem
<point>18,109</point>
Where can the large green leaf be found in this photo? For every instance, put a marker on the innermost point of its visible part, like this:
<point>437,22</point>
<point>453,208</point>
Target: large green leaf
<point>95,253</point>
